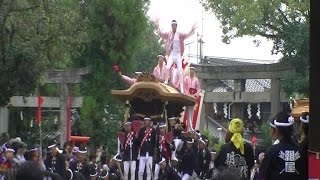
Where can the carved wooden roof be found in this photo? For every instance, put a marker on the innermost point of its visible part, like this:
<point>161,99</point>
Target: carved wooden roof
<point>148,97</point>
<point>300,106</point>
<point>147,91</point>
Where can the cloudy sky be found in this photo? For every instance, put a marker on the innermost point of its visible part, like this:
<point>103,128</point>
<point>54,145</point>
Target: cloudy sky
<point>188,12</point>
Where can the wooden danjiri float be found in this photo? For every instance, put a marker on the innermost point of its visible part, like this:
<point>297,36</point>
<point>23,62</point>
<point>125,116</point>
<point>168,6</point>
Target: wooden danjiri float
<point>148,97</point>
<point>300,106</point>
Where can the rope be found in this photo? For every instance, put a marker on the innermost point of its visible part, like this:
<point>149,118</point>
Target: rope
<point>165,114</point>
<point>127,111</point>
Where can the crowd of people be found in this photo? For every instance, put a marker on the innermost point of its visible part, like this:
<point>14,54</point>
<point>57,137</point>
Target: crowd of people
<point>159,151</point>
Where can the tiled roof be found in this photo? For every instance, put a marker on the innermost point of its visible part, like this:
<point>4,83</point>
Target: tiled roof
<point>219,89</point>
<point>252,85</point>
<point>257,85</point>
<point>226,61</point>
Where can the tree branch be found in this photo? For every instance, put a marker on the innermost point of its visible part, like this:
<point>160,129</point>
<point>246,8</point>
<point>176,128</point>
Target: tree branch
<point>283,16</point>
<point>270,36</point>
<point>273,27</point>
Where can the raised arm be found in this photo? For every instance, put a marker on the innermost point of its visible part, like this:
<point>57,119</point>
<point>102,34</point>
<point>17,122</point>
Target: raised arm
<point>163,35</point>
<point>127,79</point>
<point>190,33</point>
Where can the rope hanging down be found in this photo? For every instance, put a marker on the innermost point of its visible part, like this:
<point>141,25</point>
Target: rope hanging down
<point>129,107</point>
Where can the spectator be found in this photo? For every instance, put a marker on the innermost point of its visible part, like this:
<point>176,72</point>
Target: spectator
<point>29,170</point>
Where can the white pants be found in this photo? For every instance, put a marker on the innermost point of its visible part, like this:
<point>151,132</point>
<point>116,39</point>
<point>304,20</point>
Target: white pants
<point>156,171</point>
<point>132,166</point>
<point>190,110</point>
<point>118,149</point>
<point>178,144</point>
<point>143,162</point>
<point>175,57</point>
<point>185,177</point>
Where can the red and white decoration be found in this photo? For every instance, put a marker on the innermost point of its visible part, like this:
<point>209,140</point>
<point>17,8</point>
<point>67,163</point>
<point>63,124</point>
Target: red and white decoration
<point>196,113</point>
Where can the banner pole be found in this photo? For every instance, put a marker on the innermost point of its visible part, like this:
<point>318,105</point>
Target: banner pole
<point>40,130</point>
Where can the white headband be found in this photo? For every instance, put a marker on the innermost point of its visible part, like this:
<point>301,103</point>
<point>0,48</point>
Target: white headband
<point>82,152</point>
<point>105,175</point>
<point>93,175</point>
<point>202,141</point>
<point>75,149</point>
<point>128,123</point>
<point>190,141</point>
<point>289,123</point>
<point>163,125</point>
<point>71,173</point>
<point>51,146</point>
<point>305,120</point>
<point>163,160</point>
<point>10,149</point>
<point>272,125</point>
<point>34,149</point>
<point>160,56</point>
<point>146,118</point>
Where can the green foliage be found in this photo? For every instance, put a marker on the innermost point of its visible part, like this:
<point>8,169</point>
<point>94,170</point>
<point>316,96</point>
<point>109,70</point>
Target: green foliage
<point>284,22</point>
<point>36,36</point>
<point>217,146</point>
<point>146,56</point>
<point>265,135</point>
<point>116,31</point>
<point>209,136</point>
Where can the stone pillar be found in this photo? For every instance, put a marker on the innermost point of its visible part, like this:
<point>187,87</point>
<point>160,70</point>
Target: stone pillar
<point>239,85</point>
<point>275,96</point>
<point>4,120</point>
<point>236,110</point>
<point>64,92</point>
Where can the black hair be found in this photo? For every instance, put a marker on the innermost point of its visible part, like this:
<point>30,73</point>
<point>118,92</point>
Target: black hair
<point>28,155</point>
<point>29,170</point>
<point>92,157</point>
<point>67,143</point>
<point>103,157</point>
<point>92,169</point>
<point>285,131</point>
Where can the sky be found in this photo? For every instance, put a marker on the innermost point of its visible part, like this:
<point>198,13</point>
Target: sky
<point>189,12</point>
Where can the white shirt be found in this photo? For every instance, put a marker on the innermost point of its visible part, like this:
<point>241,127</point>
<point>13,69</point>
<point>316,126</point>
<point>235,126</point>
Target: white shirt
<point>174,72</point>
<point>176,43</point>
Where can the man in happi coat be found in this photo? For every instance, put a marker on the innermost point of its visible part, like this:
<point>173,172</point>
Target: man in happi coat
<point>160,70</point>
<point>192,87</point>
<point>174,48</point>
<point>147,142</point>
<point>130,151</point>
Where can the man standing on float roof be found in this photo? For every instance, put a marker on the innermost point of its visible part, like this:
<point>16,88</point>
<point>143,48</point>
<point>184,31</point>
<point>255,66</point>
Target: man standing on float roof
<point>174,48</point>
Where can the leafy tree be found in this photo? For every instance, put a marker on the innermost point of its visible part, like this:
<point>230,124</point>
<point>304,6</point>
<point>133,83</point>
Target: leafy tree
<point>285,22</point>
<point>36,36</point>
<point>116,32</point>
<point>265,135</point>
<point>146,56</point>
<point>218,145</point>
<point>210,137</point>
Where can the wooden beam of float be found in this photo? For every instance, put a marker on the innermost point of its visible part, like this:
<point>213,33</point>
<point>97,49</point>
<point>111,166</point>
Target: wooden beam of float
<point>150,90</point>
<point>149,98</point>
